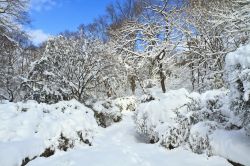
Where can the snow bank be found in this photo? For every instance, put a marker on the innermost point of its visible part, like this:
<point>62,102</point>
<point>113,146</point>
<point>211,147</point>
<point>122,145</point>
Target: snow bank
<point>14,152</point>
<point>27,129</point>
<point>233,145</point>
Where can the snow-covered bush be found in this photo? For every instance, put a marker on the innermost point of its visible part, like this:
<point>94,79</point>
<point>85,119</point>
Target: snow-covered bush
<point>211,106</point>
<point>238,77</point>
<point>126,103</point>
<point>181,118</point>
<point>173,135</point>
<point>110,111</point>
<point>60,126</point>
<point>199,136</point>
<point>156,119</point>
<point>207,113</point>
<point>106,112</point>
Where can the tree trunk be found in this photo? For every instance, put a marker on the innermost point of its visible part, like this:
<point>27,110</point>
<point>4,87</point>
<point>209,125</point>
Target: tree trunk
<point>132,84</point>
<point>162,77</point>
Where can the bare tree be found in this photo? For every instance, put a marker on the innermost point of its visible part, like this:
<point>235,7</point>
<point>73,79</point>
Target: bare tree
<point>9,78</point>
<point>12,14</point>
<point>213,29</point>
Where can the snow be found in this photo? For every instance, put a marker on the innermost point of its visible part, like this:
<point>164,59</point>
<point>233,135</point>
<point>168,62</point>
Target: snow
<point>240,56</point>
<point>23,120</point>
<point>106,112</point>
<point>162,108</point>
<point>27,129</point>
<point>233,145</point>
<point>126,103</point>
<point>12,153</point>
<point>157,118</point>
<point>238,76</point>
<point>238,68</point>
<point>120,145</point>
<point>193,121</point>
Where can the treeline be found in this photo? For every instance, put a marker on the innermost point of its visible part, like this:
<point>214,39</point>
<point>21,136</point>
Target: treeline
<point>137,43</point>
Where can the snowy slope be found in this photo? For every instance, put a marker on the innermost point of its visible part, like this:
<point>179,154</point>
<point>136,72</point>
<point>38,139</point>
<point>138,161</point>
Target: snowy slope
<point>119,145</point>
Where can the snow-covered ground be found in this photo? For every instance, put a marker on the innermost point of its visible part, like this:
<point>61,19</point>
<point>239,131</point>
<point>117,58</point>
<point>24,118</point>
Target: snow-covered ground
<point>233,145</point>
<point>178,119</point>
<point>119,145</point>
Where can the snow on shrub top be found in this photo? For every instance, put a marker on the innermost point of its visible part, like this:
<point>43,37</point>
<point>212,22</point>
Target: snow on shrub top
<point>69,119</point>
<point>240,56</point>
<point>106,112</point>
<point>162,108</point>
<point>157,118</point>
<point>238,75</point>
<point>238,68</point>
<point>126,103</point>
<point>28,129</point>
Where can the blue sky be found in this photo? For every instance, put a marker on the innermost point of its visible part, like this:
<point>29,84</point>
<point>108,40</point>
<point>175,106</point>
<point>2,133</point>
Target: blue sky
<point>50,17</point>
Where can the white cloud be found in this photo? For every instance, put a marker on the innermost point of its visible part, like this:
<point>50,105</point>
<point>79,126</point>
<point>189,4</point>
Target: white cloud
<point>39,5</point>
<point>37,36</point>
